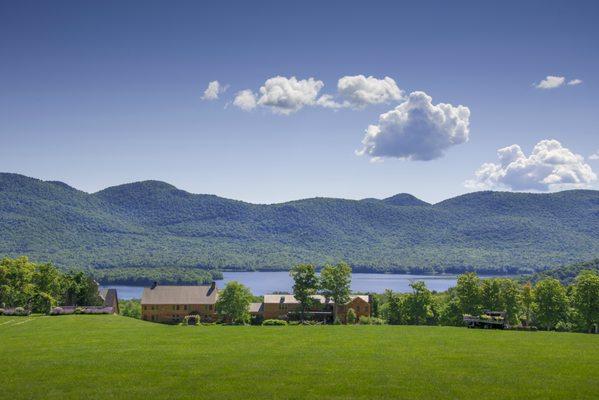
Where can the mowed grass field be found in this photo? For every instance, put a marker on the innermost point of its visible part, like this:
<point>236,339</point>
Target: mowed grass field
<point>108,357</point>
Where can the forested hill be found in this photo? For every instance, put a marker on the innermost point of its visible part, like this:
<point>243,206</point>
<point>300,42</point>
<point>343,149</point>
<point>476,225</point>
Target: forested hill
<point>153,223</point>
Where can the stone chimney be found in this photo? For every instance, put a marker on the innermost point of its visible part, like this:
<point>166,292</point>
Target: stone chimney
<point>154,285</point>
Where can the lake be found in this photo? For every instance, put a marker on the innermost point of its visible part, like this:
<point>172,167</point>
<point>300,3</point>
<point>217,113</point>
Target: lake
<point>262,283</point>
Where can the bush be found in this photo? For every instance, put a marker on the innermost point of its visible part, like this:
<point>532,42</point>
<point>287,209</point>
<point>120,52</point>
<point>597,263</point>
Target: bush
<point>562,326</point>
<point>371,321</point>
<point>1,311</point>
<point>274,322</point>
<point>351,316</point>
<point>195,320</point>
<point>337,321</point>
<point>56,311</point>
<point>20,311</point>
<point>79,310</point>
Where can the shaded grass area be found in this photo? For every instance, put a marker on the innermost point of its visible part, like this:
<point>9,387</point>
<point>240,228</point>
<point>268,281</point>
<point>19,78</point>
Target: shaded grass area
<point>100,357</point>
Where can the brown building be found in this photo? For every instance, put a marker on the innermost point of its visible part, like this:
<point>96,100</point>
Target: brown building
<point>110,299</point>
<point>285,306</point>
<point>173,303</point>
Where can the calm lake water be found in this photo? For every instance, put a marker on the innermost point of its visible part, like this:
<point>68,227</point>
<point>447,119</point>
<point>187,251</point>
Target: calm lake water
<point>262,283</point>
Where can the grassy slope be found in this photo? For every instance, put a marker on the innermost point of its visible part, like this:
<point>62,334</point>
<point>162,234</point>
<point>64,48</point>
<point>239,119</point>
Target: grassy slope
<point>100,357</point>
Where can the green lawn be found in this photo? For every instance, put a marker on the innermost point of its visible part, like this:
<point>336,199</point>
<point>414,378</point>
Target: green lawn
<point>105,357</point>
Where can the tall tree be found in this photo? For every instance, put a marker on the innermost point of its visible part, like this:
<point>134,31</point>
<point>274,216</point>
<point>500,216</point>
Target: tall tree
<point>510,299</point>
<point>527,299</point>
<point>491,294</point>
<point>586,298</point>
<point>305,284</point>
<point>233,303</point>
<point>418,304</point>
<point>335,281</point>
<point>469,293</point>
<point>551,303</point>
<point>394,308</point>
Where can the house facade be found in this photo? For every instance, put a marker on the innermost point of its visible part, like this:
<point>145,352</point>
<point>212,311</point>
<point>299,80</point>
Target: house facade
<point>286,306</point>
<point>171,304</point>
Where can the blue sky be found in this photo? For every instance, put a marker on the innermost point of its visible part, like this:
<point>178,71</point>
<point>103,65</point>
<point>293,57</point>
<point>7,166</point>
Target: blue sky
<point>98,94</point>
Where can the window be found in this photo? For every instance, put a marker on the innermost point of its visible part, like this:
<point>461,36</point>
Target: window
<point>145,308</point>
<point>177,306</point>
<point>185,307</point>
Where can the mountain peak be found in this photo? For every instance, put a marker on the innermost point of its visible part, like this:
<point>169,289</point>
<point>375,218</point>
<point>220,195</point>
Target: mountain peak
<point>405,199</point>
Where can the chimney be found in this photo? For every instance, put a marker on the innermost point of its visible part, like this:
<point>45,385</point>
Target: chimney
<point>212,286</point>
<point>154,285</point>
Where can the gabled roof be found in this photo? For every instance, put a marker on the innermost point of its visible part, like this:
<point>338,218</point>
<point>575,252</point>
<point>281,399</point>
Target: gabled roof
<point>290,299</point>
<point>201,294</point>
<point>256,308</point>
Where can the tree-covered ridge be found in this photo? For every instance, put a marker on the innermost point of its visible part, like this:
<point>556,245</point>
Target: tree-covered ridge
<point>566,274</point>
<point>150,224</point>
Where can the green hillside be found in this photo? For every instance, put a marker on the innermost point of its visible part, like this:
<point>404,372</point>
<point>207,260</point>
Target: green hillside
<point>568,273</point>
<point>111,357</point>
<point>148,224</point>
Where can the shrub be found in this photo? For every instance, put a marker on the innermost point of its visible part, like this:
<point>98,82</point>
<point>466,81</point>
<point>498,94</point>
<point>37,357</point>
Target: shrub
<point>351,316</point>
<point>1,311</point>
<point>294,322</point>
<point>20,311</point>
<point>195,320</point>
<point>274,322</point>
<point>56,311</point>
<point>371,321</point>
<point>79,310</point>
<point>562,326</point>
<point>337,321</point>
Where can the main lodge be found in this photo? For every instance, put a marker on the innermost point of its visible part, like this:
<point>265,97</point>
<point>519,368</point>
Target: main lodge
<point>171,304</point>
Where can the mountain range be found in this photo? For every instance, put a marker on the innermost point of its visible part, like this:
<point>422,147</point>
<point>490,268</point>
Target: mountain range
<point>149,224</point>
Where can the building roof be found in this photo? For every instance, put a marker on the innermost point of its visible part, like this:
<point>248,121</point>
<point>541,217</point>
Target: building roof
<point>256,308</point>
<point>202,294</point>
<point>290,299</point>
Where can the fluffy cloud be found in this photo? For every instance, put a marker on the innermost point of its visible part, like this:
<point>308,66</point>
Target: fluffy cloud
<point>550,166</point>
<point>574,82</point>
<point>417,130</point>
<point>360,91</point>
<point>288,95</point>
<point>213,90</point>
<point>594,156</point>
<point>246,100</point>
<point>551,82</point>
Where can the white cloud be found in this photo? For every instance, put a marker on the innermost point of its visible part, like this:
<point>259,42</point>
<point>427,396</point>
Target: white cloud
<point>417,130</point>
<point>213,90</point>
<point>245,99</point>
<point>594,156</point>
<point>360,91</point>
<point>288,95</point>
<point>284,95</point>
<point>550,166</point>
<point>574,82</point>
<point>551,82</point>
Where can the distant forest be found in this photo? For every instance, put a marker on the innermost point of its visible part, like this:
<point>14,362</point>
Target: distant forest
<point>138,231</point>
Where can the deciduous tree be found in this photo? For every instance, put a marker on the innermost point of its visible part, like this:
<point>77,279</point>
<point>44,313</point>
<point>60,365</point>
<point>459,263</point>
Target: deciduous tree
<point>335,281</point>
<point>551,303</point>
<point>233,302</point>
<point>586,298</point>
<point>305,284</point>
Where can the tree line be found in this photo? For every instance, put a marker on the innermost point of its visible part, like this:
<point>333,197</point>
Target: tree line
<point>547,305</point>
<point>39,287</point>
